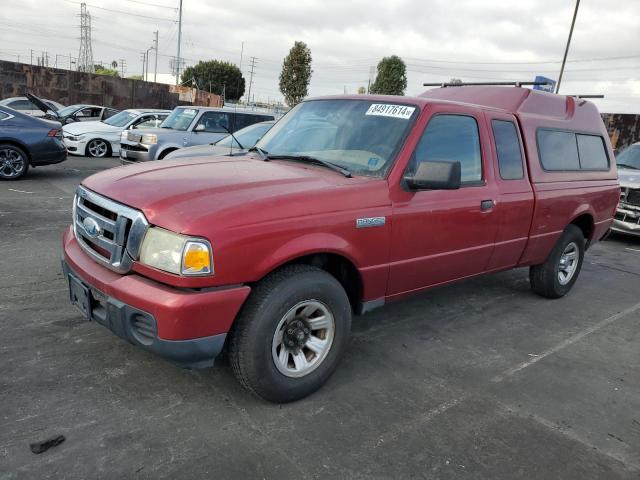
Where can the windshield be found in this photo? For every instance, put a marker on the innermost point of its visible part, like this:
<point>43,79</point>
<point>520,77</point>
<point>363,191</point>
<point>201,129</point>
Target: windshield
<point>63,112</point>
<point>362,136</point>
<point>630,157</point>
<point>180,118</point>
<point>247,136</point>
<point>120,119</point>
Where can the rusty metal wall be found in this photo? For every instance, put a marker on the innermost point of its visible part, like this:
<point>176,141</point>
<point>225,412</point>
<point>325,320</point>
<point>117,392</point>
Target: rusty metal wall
<point>68,88</point>
<point>623,128</point>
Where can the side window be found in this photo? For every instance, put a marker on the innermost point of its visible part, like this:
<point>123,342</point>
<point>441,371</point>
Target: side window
<point>592,153</point>
<point>558,150</point>
<point>244,120</point>
<point>89,113</point>
<point>146,122</point>
<point>22,105</point>
<point>508,150</point>
<point>215,122</point>
<point>4,116</point>
<point>452,138</point>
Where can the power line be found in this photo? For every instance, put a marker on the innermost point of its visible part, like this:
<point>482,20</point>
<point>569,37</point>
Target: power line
<point>153,5</point>
<point>124,12</point>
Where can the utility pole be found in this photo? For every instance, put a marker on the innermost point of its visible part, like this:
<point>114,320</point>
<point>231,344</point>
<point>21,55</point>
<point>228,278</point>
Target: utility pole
<point>566,50</point>
<point>179,41</point>
<point>147,63</point>
<point>253,64</point>
<point>31,56</point>
<point>123,66</point>
<point>155,69</point>
<point>144,55</point>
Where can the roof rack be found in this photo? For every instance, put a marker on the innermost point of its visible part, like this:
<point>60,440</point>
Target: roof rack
<point>462,84</point>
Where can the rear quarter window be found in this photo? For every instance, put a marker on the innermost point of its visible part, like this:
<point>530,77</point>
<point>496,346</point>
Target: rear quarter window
<point>508,150</point>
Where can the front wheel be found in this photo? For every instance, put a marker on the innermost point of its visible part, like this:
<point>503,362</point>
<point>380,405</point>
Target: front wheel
<point>98,148</point>
<point>555,277</point>
<point>291,333</point>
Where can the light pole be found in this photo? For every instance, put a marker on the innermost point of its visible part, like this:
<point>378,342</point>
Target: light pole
<point>566,50</point>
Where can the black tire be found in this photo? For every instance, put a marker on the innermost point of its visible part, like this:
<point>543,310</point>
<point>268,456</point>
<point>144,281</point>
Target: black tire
<point>15,155</point>
<point>107,151</point>
<point>545,278</point>
<point>252,337</point>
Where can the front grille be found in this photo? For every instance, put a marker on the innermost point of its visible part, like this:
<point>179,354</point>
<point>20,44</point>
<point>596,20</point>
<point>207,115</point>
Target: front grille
<point>133,148</point>
<point>110,232</point>
<point>633,196</point>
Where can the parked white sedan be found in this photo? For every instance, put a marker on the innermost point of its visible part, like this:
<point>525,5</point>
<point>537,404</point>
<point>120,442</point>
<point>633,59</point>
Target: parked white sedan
<point>26,106</point>
<point>102,139</point>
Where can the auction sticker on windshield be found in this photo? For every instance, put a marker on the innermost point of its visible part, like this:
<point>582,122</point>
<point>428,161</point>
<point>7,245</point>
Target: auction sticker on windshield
<point>386,110</point>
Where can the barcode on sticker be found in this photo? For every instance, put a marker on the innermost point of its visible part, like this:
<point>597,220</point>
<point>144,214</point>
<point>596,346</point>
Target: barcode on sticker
<point>395,111</point>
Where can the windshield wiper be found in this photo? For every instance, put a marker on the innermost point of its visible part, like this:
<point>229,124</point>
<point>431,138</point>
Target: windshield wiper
<point>264,155</point>
<point>628,166</point>
<point>317,161</point>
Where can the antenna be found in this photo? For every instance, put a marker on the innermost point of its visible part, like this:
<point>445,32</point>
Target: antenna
<point>85,56</point>
<point>478,84</point>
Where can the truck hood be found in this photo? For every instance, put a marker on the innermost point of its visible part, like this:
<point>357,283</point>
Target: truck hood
<point>195,196</point>
<point>629,178</point>
<point>82,128</point>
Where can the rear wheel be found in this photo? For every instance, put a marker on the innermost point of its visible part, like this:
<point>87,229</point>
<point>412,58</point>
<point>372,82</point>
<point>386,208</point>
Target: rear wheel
<point>291,333</point>
<point>14,162</point>
<point>555,277</point>
<point>98,148</point>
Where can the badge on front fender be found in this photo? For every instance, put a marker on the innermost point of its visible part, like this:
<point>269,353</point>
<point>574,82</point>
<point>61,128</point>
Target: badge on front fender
<point>370,222</point>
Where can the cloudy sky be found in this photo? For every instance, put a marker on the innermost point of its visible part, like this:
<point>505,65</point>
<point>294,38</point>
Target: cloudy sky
<point>475,40</point>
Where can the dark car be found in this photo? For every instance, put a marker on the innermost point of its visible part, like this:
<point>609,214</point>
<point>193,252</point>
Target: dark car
<point>27,141</point>
<point>81,113</point>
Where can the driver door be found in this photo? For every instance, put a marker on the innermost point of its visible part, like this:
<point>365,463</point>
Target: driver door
<point>444,235</point>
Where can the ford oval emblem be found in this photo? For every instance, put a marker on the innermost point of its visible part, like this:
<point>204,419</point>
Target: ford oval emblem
<point>91,227</point>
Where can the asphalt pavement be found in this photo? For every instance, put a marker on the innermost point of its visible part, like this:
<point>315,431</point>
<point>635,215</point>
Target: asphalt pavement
<point>482,379</point>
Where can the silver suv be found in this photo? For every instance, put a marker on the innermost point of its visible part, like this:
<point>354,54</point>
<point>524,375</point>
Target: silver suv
<point>185,127</point>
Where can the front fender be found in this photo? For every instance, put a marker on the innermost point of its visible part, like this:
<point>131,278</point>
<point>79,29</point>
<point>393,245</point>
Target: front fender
<point>307,245</point>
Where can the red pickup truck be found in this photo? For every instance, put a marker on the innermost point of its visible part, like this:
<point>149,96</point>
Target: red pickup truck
<point>347,203</point>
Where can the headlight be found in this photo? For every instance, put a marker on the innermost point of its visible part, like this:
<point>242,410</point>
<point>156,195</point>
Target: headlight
<point>176,253</point>
<point>74,138</point>
<point>149,139</point>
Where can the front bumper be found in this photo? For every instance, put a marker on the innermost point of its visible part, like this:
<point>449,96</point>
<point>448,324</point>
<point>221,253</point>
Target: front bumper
<point>131,152</point>
<point>75,147</point>
<point>185,326</point>
<point>627,220</point>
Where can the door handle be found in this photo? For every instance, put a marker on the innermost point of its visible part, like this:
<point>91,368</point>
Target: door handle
<point>486,205</point>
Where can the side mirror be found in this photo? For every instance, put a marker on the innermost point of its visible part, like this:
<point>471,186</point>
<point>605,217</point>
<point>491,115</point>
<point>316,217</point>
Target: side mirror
<point>435,176</point>
<point>199,128</point>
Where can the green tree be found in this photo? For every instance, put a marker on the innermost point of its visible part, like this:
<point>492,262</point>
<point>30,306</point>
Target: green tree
<point>455,81</point>
<point>100,70</point>
<point>391,78</point>
<point>214,76</point>
<point>296,74</point>
<point>362,90</point>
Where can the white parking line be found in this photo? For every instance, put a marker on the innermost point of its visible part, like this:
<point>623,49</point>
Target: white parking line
<point>19,191</point>
<point>566,343</point>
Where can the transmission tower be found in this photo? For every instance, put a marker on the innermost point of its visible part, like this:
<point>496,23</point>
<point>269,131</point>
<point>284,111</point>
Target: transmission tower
<point>253,65</point>
<point>85,56</point>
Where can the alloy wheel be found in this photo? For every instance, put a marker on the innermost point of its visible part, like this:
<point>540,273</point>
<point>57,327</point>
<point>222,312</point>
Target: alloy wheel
<point>12,163</point>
